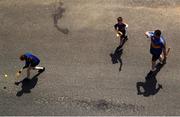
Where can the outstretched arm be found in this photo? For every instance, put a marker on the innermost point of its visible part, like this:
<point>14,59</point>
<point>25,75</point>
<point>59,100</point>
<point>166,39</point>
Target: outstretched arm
<point>26,66</point>
<point>28,63</point>
<point>149,33</point>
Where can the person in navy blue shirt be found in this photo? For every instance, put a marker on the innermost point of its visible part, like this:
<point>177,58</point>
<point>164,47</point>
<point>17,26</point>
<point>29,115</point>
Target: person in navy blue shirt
<point>157,47</point>
<point>121,29</point>
<point>31,62</point>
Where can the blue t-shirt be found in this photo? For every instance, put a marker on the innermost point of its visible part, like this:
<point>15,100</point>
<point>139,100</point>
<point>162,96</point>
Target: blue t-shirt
<point>31,60</point>
<point>156,44</point>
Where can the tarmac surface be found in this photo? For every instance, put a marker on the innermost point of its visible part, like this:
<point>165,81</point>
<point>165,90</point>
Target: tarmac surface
<point>74,40</point>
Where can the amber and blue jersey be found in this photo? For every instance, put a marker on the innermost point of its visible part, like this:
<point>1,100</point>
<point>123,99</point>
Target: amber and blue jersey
<point>157,44</point>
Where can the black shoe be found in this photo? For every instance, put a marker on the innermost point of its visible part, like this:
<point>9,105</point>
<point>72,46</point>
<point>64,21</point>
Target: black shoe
<point>160,86</point>
<point>41,70</point>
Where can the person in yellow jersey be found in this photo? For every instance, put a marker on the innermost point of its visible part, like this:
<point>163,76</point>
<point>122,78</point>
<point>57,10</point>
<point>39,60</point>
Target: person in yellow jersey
<point>31,62</point>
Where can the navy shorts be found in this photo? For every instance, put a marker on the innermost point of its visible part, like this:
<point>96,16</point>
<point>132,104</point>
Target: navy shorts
<point>35,64</point>
<point>155,53</point>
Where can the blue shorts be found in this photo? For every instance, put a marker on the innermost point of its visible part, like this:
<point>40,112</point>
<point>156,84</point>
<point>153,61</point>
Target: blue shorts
<point>155,53</point>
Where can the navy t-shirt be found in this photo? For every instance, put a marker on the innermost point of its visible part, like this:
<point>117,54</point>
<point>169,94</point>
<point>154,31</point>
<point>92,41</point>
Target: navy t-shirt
<point>121,27</point>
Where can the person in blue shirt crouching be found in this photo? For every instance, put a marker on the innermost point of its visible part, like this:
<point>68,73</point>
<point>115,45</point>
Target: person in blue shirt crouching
<point>31,62</point>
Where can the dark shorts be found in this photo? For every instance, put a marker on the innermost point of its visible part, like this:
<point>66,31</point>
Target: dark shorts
<point>155,54</point>
<point>34,64</point>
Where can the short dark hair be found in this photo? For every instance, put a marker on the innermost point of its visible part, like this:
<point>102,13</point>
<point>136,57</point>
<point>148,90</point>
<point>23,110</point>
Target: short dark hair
<point>119,19</point>
<point>157,32</point>
<point>22,57</point>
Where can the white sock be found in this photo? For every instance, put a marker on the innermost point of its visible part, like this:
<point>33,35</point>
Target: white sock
<point>38,68</point>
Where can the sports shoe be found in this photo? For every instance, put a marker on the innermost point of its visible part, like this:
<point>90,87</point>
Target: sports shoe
<point>41,70</point>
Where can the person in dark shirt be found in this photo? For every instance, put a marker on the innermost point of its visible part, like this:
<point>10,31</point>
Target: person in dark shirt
<point>121,29</point>
<point>31,62</point>
<point>158,46</point>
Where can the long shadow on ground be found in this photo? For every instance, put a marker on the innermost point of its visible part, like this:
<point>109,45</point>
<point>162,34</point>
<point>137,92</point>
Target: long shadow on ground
<point>149,86</point>
<point>116,56</point>
<point>27,84</point>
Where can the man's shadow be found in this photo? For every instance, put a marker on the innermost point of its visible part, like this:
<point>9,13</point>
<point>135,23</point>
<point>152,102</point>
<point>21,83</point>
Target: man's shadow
<point>116,56</point>
<point>27,84</point>
<point>58,15</point>
<point>150,85</point>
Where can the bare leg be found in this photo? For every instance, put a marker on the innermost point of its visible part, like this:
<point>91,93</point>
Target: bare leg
<point>161,58</point>
<point>153,65</point>
<point>121,41</point>
<point>28,72</point>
